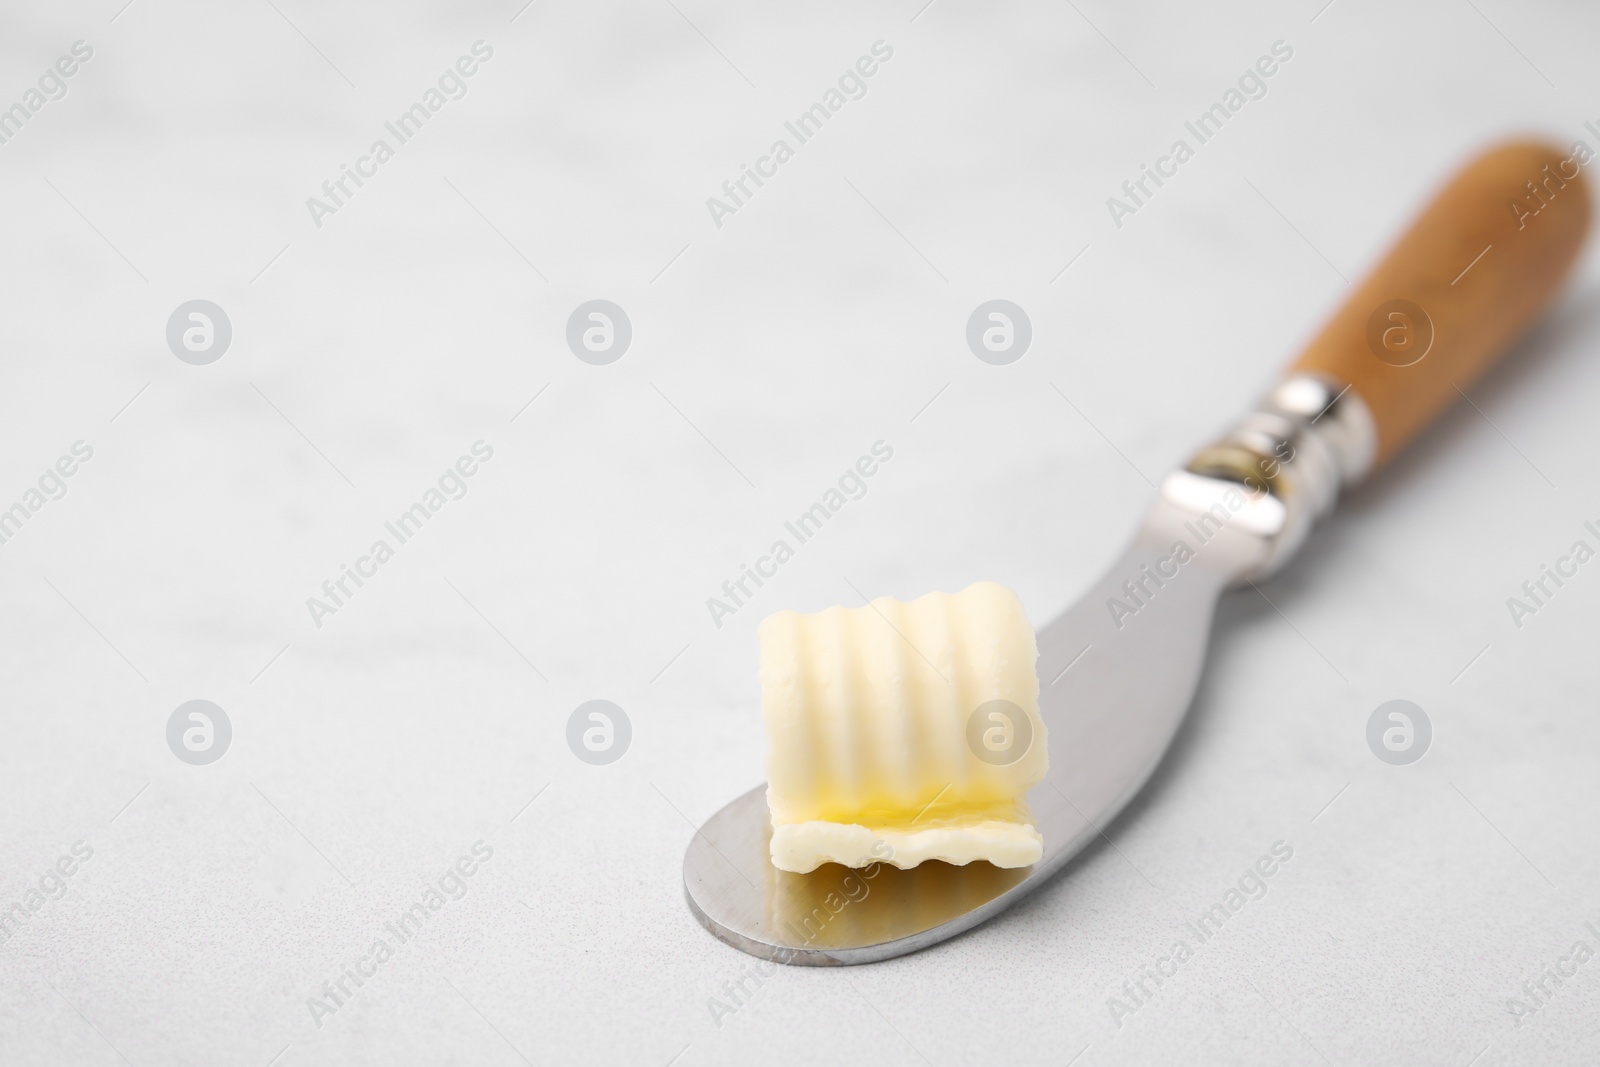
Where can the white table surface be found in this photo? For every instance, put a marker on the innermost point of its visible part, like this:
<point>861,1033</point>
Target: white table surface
<point>766,357</point>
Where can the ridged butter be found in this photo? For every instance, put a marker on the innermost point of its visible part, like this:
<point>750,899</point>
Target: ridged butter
<point>903,731</point>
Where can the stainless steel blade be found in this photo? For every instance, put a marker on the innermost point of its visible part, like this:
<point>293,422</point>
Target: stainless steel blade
<point>1115,685</point>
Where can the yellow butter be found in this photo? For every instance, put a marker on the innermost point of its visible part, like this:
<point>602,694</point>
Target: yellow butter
<point>900,732</point>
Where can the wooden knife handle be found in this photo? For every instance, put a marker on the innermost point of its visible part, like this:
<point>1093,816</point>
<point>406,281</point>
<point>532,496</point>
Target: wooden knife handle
<point>1486,256</point>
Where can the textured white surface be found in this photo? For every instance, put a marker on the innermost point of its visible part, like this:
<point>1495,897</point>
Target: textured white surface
<point>378,748</point>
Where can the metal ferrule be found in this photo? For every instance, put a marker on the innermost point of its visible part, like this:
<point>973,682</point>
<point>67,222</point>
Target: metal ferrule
<point>1286,461</point>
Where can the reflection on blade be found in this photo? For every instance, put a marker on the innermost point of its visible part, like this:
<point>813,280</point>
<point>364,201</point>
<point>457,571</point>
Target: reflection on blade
<point>836,907</point>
